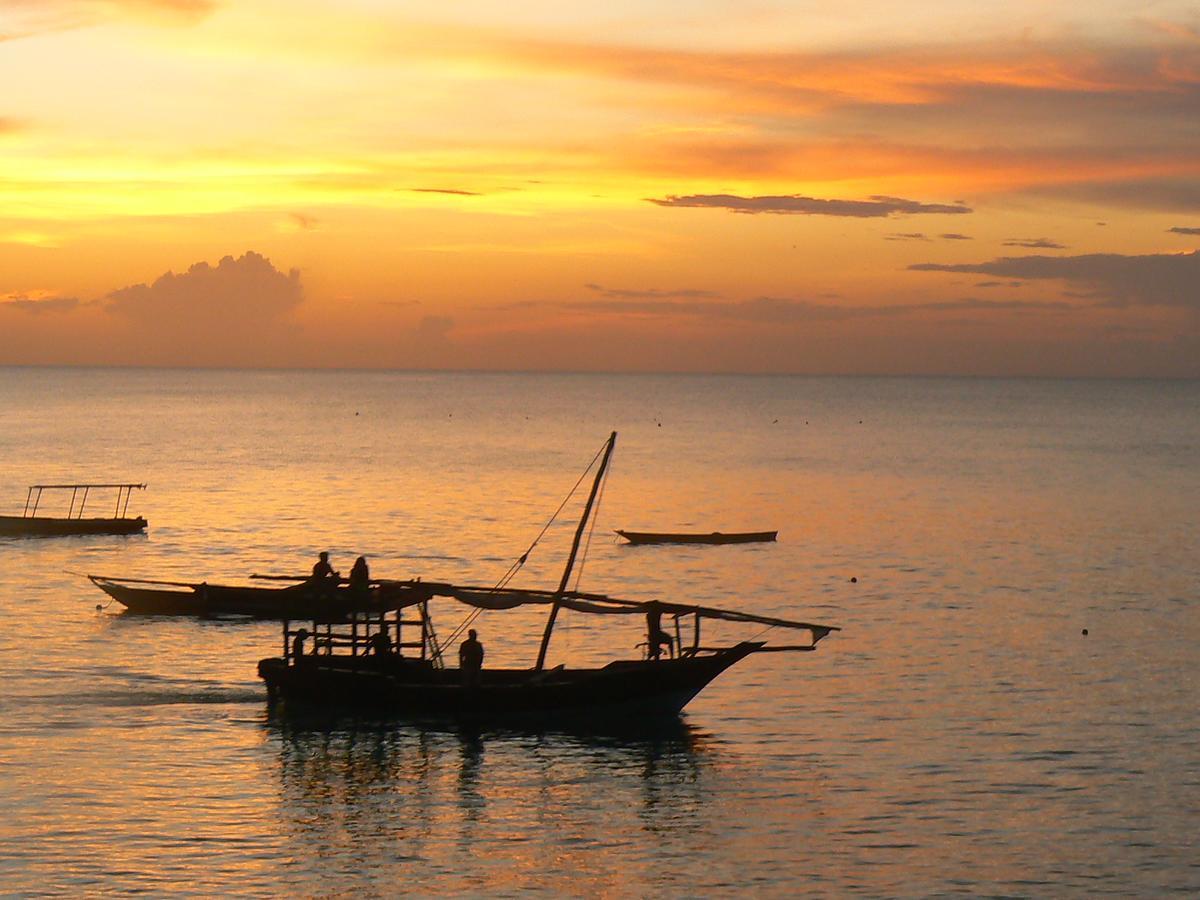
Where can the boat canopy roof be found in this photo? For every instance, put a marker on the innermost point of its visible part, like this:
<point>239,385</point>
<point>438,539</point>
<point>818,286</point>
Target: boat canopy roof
<point>414,592</point>
<point>489,599</point>
<point>71,487</point>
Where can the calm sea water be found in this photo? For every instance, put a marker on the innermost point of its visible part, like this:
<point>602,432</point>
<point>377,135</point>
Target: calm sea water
<point>960,734</point>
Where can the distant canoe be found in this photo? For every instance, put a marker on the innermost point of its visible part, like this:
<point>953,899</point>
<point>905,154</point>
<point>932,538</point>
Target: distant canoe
<point>45,526</point>
<point>715,537</point>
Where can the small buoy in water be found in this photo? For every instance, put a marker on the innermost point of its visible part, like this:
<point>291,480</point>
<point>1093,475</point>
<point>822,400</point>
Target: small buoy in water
<point>854,579</point>
<point>356,412</point>
<point>1085,632</point>
<point>99,607</point>
<point>774,421</point>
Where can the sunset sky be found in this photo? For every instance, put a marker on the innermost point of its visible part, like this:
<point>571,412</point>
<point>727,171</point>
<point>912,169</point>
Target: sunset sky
<point>858,187</point>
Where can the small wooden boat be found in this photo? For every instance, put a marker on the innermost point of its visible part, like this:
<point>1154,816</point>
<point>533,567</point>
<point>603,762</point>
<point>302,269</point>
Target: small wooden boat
<point>362,663</point>
<point>329,599</point>
<point>715,537</point>
<point>30,524</point>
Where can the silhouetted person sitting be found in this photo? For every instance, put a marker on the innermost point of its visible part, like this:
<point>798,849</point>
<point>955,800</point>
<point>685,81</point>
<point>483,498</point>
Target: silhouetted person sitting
<point>656,638</point>
<point>381,643</point>
<point>322,569</point>
<point>470,659</point>
<point>298,644</point>
<point>324,578</point>
<point>360,578</point>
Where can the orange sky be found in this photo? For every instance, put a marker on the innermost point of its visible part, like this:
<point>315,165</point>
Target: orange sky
<point>699,186</point>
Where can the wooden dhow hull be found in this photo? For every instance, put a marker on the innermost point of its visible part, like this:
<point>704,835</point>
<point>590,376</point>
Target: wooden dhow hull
<point>47,526</point>
<point>413,689</point>
<point>299,601</point>
<point>715,537</point>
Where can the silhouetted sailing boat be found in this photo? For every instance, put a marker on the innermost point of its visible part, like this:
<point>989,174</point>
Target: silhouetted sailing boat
<point>361,665</point>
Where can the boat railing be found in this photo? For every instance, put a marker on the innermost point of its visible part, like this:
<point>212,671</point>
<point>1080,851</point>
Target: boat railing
<point>33,497</point>
<point>359,635</point>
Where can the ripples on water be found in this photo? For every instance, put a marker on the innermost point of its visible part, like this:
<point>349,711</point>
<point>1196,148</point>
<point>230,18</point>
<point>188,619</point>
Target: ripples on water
<point>960,734</point>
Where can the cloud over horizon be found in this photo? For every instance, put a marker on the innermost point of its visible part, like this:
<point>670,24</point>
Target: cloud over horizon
<point>37,307</point>
<point>232,313</point>
<point>1159,279</point>
<point>1034,244</point>
<point>649,293</point>
<point>792,311</point>
<point>875,207</point>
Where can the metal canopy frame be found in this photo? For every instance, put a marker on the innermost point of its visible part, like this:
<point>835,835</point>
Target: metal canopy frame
<point>33,498</point>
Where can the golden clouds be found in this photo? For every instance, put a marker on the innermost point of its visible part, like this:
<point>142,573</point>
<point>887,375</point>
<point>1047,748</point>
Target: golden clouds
<point>452,179</point>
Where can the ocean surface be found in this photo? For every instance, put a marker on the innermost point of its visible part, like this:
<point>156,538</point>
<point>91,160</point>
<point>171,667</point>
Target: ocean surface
<point>961,734</point>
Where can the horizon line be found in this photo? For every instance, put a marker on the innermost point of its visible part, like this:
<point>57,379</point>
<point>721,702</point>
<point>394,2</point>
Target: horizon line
<point>603,373</point>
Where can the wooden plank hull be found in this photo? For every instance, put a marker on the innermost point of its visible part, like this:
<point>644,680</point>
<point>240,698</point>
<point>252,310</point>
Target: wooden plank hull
<point>415,690</point>
<point>301,601</point>
<point>46,526</point>
<point>715,537</point>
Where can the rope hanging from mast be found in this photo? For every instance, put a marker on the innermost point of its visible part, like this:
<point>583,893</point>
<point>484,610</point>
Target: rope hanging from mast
<point>579,530</point>
<point>587,544</point>
<point>524,557</point>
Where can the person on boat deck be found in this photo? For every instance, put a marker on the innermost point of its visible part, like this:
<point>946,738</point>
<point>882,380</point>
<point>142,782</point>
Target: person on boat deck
<point>322,569</point>
<point>360,577</point>
<point>381,641</point>
<point>298,643</point>
<point>470,658</point>
<point>656,638</point>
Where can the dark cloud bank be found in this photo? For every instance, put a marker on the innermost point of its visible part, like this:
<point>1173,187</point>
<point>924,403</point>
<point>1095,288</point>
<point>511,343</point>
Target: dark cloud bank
<point>48,305</point>
<point>871,208</point>
<point>1160,279</point>
<point>1035,244</point>
<point>788,310</point>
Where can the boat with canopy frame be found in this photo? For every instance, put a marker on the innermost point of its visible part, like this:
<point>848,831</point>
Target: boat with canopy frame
<point>362,663</point>
<point>30,524</point>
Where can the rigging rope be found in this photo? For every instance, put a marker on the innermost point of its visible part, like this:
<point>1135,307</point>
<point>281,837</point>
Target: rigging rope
<point>524,557</point>
<point>587,544</point>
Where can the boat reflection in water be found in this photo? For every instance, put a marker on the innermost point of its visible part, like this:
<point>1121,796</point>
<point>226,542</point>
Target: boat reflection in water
<point>379,792</point>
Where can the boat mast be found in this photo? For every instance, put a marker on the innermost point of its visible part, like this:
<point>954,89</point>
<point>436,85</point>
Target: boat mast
<point>566,577</point>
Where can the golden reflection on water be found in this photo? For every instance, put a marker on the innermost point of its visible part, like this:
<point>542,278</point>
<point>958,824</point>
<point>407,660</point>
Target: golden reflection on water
<point>960,734</point>
<point>497,801</point>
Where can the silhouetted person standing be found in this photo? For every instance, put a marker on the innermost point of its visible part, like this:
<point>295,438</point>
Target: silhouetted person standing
<point>655,636</point>
<point>470,659</point>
